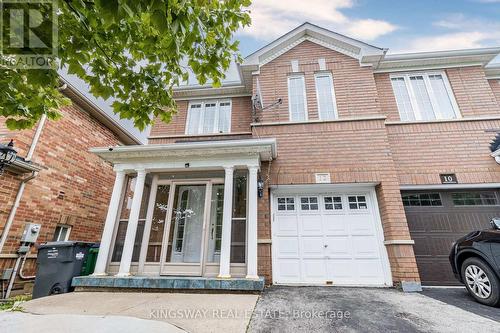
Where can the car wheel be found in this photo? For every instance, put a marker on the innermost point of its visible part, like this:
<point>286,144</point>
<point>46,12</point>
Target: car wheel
<point>481,281</point>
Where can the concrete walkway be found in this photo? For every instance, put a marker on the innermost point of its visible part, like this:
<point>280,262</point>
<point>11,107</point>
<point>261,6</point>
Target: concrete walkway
<point>19,322</point>
<point>191,312</point>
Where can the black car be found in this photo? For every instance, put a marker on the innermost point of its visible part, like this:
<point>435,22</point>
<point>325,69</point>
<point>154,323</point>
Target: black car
<point>475,260</point>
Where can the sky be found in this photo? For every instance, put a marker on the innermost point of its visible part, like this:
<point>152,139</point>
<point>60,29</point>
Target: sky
<point>400,25</point>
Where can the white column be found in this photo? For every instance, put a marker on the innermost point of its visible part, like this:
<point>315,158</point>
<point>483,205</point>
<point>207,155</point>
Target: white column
<point>252,223</point>
<point>109,225</point>
<point>227,215</point>
<point>147,225</point>
<point>128,245</point>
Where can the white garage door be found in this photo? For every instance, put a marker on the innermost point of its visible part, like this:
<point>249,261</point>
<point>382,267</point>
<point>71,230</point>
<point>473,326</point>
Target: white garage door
<point>328,239</point>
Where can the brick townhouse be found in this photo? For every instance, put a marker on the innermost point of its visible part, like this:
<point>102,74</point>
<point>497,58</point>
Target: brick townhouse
<point>63,186</point>
<point>328,162</point>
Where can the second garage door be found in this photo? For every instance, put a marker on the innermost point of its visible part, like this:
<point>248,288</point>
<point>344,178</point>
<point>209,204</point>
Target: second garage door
<point>438,218</point>
<point>328,239</point>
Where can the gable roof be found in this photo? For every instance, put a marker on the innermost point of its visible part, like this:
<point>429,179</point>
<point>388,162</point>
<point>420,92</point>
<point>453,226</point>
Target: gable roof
<point>307,31</point>
<point>366,54</point>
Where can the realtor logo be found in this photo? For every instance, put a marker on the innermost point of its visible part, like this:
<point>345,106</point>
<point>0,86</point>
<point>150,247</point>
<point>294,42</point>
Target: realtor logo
<point>28,33</point>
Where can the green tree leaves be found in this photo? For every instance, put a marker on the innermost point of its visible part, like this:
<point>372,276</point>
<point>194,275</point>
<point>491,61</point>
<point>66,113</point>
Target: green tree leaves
<point>135,51</point>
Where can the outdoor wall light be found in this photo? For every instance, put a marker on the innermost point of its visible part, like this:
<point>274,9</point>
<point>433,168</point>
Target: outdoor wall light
<point>7,155</point>
<point>186,165</point>
<point>260,187</point>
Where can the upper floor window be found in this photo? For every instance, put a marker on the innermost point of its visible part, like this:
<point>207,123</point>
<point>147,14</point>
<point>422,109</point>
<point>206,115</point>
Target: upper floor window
<point>209,117</point>
<point>326,96</point>
<point>297,103</point>
<point>424,96</point>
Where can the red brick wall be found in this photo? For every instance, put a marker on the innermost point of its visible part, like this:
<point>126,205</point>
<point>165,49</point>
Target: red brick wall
<point>386,97</point>
<point>422,151</point>
<point>86,180</point>
<point>355,89</point>
<point>472,91</point>
<point>241,117</point>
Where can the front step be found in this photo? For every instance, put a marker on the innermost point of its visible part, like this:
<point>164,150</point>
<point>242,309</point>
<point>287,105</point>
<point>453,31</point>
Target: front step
<point>167,283</point>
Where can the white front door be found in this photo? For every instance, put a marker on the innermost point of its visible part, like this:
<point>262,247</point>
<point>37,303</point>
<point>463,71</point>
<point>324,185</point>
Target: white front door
<point>328,238</point>
<point>183,243</point>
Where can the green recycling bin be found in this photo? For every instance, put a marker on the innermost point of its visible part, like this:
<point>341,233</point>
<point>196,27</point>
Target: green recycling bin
<point>89,264</point>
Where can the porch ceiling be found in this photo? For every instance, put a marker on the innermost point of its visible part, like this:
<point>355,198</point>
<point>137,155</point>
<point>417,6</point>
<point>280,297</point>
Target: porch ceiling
<point>264,148</point>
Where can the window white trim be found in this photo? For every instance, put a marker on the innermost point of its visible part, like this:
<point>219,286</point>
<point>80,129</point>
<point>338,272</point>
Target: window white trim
<point>432,97</point>
<point>297,76</point>
<point>202,116</point>
<point>334,100</point>
<point>66,236</point>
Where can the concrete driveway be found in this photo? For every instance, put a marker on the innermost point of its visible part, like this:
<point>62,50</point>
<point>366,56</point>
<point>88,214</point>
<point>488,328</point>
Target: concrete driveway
<point>460,298</point>
<point>334,309</point>
<point>190,312</point>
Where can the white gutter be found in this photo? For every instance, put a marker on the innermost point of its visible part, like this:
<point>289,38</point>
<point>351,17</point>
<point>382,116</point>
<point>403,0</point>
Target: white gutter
<point>443,54</point>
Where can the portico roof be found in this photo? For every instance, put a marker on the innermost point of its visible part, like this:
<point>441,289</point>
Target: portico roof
<point>264,148</point>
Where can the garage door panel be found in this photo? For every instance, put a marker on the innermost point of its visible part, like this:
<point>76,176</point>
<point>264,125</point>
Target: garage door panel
<point>421,246</point>
<point>313,270</point>
<point>341,271</point>
<point>436,271</point>
<point>288,247</point>
<point>338,247</point>
<point>361,225</point>
<point>289,270</point>
<point>312,247</point>
<point>470,222</point>
<point>435,228</point>
<point>335,225</point>
<point>286,225</point>
<point>368,269</point>
<point>311,225</point>
<point>365,247</point>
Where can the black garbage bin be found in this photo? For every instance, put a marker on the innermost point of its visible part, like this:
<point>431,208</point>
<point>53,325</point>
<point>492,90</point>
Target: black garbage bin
<point>57,263</point>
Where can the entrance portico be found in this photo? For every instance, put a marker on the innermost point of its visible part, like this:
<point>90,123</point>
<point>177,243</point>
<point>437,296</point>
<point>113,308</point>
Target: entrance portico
<point>183,209</point>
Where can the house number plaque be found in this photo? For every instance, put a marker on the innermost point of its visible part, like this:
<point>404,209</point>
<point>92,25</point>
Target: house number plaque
<point>449,178</point>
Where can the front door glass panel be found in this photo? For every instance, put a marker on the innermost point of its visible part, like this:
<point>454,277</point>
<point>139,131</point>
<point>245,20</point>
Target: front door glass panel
<point>215,231</point>
<point>186,225</point>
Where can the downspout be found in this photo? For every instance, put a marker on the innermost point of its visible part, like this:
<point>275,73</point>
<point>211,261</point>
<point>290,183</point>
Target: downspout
<point>20,191</point>
<point>36,137</point>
